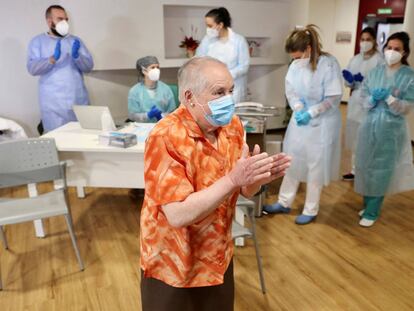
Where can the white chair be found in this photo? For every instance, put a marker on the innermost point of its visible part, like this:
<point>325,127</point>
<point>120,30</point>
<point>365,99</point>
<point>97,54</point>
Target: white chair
<point>239,231</point>
<point>29,161</point>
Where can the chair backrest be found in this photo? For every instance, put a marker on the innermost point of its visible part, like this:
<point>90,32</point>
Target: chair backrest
<point>27,161</point>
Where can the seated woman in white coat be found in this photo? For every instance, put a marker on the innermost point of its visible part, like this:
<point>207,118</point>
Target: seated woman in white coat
<point>222,43</point>
<point>354,74</point>
<point>314,91</point>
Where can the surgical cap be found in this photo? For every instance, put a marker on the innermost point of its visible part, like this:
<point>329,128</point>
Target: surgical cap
<point>144,62</point>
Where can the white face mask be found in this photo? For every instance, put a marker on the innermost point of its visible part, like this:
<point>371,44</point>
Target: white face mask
<point>62,28</point>
<point>212,32</point>
<point>154,74</point>
<point>392,57</point>
<point>301,62</point>
<point>365,46</point>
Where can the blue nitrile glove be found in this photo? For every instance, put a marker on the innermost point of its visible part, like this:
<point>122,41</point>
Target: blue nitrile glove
<point>75,49</point>
<point>380,94</point>
<point>302,118</point>
<point>298,116</point>
<point>348,76</point>
<point>56,53</point>
<point>358,77</point>
<point>154,113</point>
<point>158,115</point>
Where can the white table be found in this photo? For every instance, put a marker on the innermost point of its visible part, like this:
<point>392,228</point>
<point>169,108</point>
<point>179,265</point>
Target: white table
<point>97,165</point>
<point>94,165</point>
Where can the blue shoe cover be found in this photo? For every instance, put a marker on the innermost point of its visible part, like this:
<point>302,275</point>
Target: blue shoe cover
<point>304,219</point>
<point>276,208</point>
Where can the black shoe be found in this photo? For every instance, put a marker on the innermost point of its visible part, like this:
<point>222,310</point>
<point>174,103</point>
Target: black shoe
<point>348,177</point>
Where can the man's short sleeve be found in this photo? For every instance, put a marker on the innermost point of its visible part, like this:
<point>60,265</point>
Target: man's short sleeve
<point>166,179</point>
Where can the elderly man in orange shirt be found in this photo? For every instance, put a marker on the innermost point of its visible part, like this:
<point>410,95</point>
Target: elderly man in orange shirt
<point>196,165</point>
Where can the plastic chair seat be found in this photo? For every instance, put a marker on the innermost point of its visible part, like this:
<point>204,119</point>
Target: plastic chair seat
<point>15,211</point>
<point>238,231</point>
<point>32,161</point>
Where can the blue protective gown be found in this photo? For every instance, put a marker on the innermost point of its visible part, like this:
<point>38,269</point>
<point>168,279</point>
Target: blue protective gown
<point>141,99</point>
<point>355,111</point>
<point>384,162</point>
<point>315,148</point>
<point>235,54</point>
<point>61,84</point>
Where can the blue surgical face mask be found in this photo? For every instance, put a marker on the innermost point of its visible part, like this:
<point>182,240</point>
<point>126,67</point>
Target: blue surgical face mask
<point>222,110</point>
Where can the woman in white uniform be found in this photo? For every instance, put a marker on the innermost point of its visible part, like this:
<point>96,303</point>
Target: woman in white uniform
<point>314,91</point>
<point>354,74</point>
<point>223,43</point>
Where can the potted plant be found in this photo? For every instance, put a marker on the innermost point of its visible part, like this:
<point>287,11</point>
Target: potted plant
<point>253,47</point>
<point>189,42</point>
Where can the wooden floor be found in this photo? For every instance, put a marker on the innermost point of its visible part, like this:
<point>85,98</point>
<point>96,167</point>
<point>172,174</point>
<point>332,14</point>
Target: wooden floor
<point>332,264</point>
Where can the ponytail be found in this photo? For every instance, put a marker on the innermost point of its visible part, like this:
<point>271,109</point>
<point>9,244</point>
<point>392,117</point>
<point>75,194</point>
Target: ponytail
<point>220,15</point>
<point>300,39</point>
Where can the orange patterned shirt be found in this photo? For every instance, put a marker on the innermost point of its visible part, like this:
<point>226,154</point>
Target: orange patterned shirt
<point>180,161</point>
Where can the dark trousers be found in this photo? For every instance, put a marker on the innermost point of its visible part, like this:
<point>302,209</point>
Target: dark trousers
<point>158,296</point>
<point>40,128</point>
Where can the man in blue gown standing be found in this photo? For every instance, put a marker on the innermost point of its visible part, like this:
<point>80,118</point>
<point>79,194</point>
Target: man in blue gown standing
<point>60,59</point>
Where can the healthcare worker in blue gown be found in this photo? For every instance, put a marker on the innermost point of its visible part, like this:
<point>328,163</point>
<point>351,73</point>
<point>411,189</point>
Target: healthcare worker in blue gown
<point>384,161</point>
<point>354,75</point>
<point>222,43</point>
<point>314,91</point>
<point>150,99</point>
<point>60,59</point>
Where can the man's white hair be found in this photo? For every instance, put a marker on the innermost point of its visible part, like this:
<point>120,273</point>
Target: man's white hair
<point>191,78</point>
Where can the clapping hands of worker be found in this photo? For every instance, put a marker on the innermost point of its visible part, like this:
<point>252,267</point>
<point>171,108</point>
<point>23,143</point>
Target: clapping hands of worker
<point>75,48</point>
<point>57,52</point>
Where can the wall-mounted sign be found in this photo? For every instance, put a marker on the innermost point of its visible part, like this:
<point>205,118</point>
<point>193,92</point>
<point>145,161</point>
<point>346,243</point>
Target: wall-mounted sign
<point>343,37</point>
<point>384,11</point>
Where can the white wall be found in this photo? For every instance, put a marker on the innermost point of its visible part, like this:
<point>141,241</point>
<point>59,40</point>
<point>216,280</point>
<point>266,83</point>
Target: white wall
<point>299,14</point>
<point>117,33</point>
<point>18,90</point>
<point>409,27</point>
<point>333,16</point>
<point>330,16</point>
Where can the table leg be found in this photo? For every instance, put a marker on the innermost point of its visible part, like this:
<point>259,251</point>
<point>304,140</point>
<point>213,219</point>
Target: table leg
<point>240,219</point>
<point>58,184</point>
<point>80,191</point>
<point>38,224</point>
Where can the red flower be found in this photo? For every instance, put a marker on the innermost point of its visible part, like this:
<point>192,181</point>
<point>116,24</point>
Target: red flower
<point>189,43</point>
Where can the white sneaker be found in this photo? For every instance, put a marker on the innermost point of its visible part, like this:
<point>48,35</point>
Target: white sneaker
<point>361,212</point>
<point>366,222</point>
